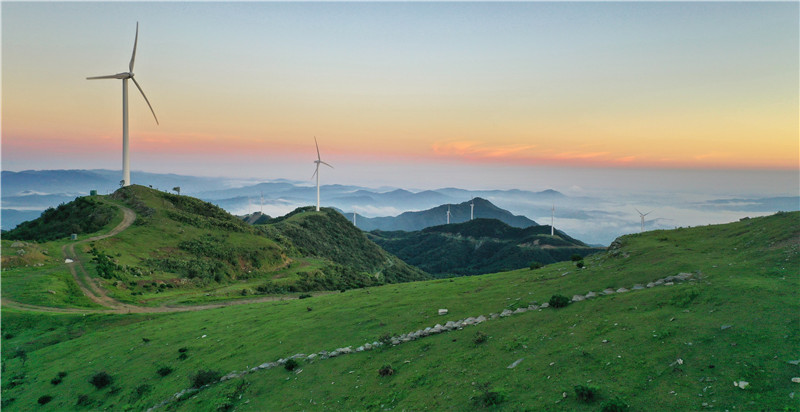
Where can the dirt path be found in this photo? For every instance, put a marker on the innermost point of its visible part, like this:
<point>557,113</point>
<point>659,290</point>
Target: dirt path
<point>92,288</point>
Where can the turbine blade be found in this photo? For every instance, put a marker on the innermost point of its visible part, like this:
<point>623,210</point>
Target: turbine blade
<point>637,210</point>
<point>136,40</point>
<point>317,144</point>
<point>110,76</point>
<point>315,172</point>
<point>326,164</point>
<point>145,99</point>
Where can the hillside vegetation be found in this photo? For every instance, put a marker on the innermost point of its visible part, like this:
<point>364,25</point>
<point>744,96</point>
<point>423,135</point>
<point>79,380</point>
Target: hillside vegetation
<point>726,339</point>
<point>183,250</point>
<point>480,246</point>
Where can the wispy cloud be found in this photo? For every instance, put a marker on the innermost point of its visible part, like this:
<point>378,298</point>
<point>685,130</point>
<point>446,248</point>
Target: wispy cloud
<point>472,149</point>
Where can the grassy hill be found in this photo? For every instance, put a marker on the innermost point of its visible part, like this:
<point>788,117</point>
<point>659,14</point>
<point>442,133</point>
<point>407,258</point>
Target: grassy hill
<point>672,347</point>
<point>479,246</point>
<point>180,250</point>
<point>459,213</point>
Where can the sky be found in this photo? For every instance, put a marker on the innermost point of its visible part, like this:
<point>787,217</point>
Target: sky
<point>689,96</point>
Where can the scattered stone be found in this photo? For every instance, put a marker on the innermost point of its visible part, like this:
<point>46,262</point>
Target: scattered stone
<point>51,292</point>
<point>622,290</point>
<point>480,319</point>
<point>506,312</point>
<point>68,261</point>
<point>608,291</point>
<point>638,287</point>
<point>723,327</point>
<point>650,284</point>
<point>605,340</point>
<point>578,298</point>
<point>493,315</point>
<point>741,384</point>
<point>794,362</point>
<point>669,283</point>
<point>591,295</point>
<point>796,380</point>
<point>442,311</point>
<point>17,244</point>
<point>521,310</point>
<point>545,305</point>
<point>659,282</point>
<point>516,362</point>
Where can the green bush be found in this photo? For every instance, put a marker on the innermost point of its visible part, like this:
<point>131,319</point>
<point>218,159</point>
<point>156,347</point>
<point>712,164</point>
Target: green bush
<point>101,379</point>
<point>580,264</point>
<point>45,399</point>
<point>489,397</point>
<point>479,338</point>
<point>576,257</point>
<point>204,377</point>
<point>614,405</point>
<point>291,365</point>
<point>535,265</point>
<point>83,400</point>
<point>386,370</point>
<point>586,393</point>
<point>559,301</point>
<point>164,371</point>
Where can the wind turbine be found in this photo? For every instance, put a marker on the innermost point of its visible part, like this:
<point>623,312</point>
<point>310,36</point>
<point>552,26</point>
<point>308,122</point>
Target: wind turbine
<point>472,208</point>
<point>354,217</point>
<point>316,172</point>
<point>552,221</point>
<point>126,169</point>
<point>448,214</point>
<point>642,215</point>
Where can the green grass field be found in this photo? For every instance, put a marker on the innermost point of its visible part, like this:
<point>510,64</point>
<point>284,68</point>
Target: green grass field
<point>678,347</point>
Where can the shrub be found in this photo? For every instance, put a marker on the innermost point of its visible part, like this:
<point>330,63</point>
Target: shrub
<point>62,374</point>
<point>8,335</point>
<point>386,370</point>
<point>83,400</point>
<point>304,296</point>
<point>586,393</point>
<point>535,265</point>
<point>559,301</point>
<point>291,364</point>
<point>386,338</point>
<point>45,399</point>
<point>55,381</point>
<point>142,389</point>
<point>145,340</point>
<point>614,405</point>
<point>580,265</point>
<point>576,257</point>
<point>204,377</point>
<point>479,338</point>
<point>164,371</point>
<point>183,356</point>
<point>101,379</point>
<point>489,397</point>
<point>182,350</point>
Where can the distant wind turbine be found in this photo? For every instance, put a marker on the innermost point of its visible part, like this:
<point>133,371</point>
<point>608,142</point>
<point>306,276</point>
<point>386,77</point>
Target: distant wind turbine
<point>642,215</point>
<point>316,172</point>
<point>552,221</point>
<point>126,170</point>
<point>448,214</point>
<point>354,217</point>
<point>472,209</point>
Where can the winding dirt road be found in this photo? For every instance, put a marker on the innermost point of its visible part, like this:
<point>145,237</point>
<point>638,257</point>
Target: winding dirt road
<point>93,290</point>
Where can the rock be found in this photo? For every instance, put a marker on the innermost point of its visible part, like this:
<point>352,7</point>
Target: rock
<point>442,311</point>
<point>521,310</point>
<point>723,327</point>
<point>794,362</point>
<point>578,298</point>
<point>532,307</point>
<point>51,292</point>
<point>480,319</point>
<point>669,283</point>
<point>367,346</point>
<point>545,305</point>
<point>638,287</point>
<point>493,315</point>
<point>68,261</point>
<point>514,365</point>
<point>506,312</point>
<point>591,295</point>
<point>659,282</point>
<point>741,384</point>
<point>650,284</point>
<point>311,356</point>
<point>17,244</point>
<point>608,291</point>
<point>683,276</point>
<point>622,290</point>
<point>796,380</point>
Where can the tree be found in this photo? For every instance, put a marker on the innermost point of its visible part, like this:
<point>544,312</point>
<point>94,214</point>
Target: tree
<point>177,189</point>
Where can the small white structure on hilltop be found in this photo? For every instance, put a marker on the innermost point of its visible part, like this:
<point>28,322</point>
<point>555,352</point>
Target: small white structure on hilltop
<point>126,166</point>
<point>448,214</point>
<point>472,209</point>
<point>316,172</point>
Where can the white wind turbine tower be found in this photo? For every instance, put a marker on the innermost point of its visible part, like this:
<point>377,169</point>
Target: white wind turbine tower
<point>472,209</point>
<point>552,221</point>
<point>126,170</point>
<point>448,214</point>
<point>642,215</point>
<point>316,172</point>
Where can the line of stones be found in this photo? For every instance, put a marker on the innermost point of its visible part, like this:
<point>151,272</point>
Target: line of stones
<point>421,333</point>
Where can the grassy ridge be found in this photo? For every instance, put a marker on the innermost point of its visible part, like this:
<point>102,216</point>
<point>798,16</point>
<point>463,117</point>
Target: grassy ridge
<point>626,345</point>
